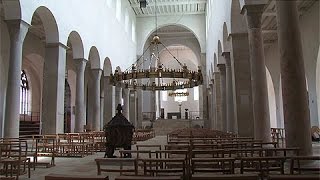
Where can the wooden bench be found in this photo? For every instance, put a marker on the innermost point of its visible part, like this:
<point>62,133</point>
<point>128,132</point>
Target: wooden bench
<point>117,162</point>
<point>262,164</point>
<point>148,178</point>
<point>148,147</point>
<point>73,177</point>
<point>158,167</point>
<point>224,165</point>
<point>300,169</point>
<point>225,177</point>
<point>294,177</point>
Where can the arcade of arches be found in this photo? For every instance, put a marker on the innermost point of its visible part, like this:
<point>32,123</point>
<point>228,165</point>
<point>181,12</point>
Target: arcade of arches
<point>259,61</point>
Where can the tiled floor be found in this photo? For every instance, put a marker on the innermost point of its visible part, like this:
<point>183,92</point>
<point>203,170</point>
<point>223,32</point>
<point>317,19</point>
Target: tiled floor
<point>87,166</point>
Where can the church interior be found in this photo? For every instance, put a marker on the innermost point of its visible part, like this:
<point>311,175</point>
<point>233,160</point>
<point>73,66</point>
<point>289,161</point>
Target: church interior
<point>159,89</point>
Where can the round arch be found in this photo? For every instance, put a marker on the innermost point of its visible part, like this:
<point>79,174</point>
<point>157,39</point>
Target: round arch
<point>226,42</point>
<point>220,59</point>
<point>77,45</point>
<point>94,58</point>
<point>107,67</point>
<point>149,33</point>
<point>49,24</point>
<point>272,100</point>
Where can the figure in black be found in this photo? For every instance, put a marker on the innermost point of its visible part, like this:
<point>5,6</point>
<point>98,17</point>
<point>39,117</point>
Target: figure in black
<point>118,132</point>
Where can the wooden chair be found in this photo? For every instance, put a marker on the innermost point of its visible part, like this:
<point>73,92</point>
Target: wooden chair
<point>211,165</point>
<point>300,168</point>
<point>148,178</point>
<point>73,177</point>
<point>294,177</point>
<point>225,177</point>
<point>262,165</point>
<point>161,167</point>
<point>121,162</point>
<point>42,150</point>
<point>13,156</point>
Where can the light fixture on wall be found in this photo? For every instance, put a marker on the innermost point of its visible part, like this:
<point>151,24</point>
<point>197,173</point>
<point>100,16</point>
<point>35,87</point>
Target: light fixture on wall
<point>158,77</point>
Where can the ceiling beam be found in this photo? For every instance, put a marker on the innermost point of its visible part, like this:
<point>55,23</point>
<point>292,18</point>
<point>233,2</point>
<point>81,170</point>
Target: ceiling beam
<point>171,14</point>
<point>174,3</point>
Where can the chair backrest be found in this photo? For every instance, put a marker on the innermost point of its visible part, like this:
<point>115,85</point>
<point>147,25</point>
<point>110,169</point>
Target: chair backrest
<point>73,177</point>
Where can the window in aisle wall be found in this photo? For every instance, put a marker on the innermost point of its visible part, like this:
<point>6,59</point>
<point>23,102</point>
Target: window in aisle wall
<point>164,95</point>
<point>118,10</point>
<point>126,21</point>
<point>196,93</point>
<point>181,98</point>
<point>24,93</point>
<point>133,32</point>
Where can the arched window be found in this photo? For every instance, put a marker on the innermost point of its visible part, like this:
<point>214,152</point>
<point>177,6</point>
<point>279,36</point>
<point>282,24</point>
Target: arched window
<point>24,93</point>
<point>133,33</point>
<point>118,10</point>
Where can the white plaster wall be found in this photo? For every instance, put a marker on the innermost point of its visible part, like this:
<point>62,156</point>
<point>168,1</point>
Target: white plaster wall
<point>218,13</point>
<point>195,23</point>
<point>96,24</point>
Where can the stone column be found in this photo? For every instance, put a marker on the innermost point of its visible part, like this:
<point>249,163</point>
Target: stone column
<point>242,91</point>
<point>217,97</point>
<point>108,93</point>
<point>139,105</point>
<point>118,95</point>
<point>96,76</point>
<point>80,119</point>
<point>258,73</point>
<point>222,69</point>
<point>209,119</point>
<point>213,106</point>
<point>203,88</point>
<point>133,107</point>
<point>231,124</point>
<point>17,31</point>
<point>54,69</point>
<point>293,81</point>
<point>126,100</point>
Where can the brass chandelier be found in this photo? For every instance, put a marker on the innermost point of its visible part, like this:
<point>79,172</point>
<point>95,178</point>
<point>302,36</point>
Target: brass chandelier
<point>167,79</point>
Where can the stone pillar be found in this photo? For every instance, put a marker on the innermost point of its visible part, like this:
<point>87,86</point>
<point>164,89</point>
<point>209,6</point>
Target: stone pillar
<point>231,124</point>
<point>96,76</point>
<point>222,69</point>
<point>80,119</point>
<point>258,73</point>
<point>133,107</point>
<point>213,106</point>
<point>218,105</point>
<point>209,119</point>
<point>293,81</point>
<point>118,95</point>
<point>108,93</point>
<point>126,100</point>
<point>139,105</point>
<point>17,31</point>
<point>54,69</point>
<point>203,89</point>
<point>242,91</point>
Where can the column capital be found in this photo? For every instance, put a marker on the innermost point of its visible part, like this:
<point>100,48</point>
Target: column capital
<point>57,44</point>
<point>221,67</point>
<point>17,29</point>
<point>254,15</point>
<point>96,73</point>
<point>227,59</point>
<point>80,64</point>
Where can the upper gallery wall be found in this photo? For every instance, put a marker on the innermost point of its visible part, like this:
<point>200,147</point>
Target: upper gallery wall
<point>105,24</point>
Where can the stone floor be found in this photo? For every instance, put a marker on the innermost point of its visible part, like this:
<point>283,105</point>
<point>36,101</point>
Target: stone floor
<point>87,166</point>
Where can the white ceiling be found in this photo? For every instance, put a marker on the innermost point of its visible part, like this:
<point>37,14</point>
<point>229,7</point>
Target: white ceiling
<point>169,7</point>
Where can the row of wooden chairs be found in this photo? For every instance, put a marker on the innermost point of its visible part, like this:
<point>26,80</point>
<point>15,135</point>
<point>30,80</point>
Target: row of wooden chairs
<point>14,158</point>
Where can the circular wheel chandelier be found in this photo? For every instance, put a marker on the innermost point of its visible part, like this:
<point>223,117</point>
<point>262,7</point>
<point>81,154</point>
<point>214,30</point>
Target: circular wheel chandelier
<point>158,77</point>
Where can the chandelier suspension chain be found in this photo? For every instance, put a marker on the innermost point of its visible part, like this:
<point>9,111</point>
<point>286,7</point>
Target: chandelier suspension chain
<point>172,55</point>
